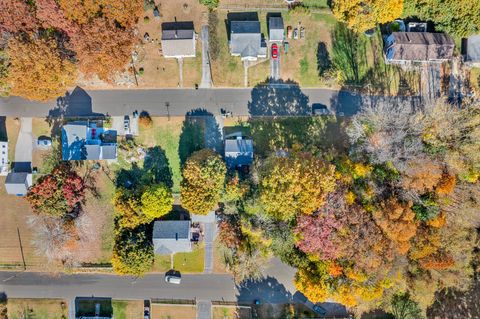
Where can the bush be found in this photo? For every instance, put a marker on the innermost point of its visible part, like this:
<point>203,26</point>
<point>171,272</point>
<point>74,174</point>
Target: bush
<point>148,5</point>
<point>211,4</point>
<point>145,120</point>
<point>146,19</point>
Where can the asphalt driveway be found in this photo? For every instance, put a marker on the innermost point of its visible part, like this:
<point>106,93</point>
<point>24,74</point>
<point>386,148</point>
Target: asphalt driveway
<point>24,147</point>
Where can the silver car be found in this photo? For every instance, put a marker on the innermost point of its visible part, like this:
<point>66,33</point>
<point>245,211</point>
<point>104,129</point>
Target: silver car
<point>173,279</point>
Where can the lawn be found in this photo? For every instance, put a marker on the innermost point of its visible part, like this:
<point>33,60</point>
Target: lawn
<point>161,263</point>
<point>40,127</point>
<point>37,308</point>
<point>127,309</point>
<point>13,129</point>
<point>192,262</point>
<point>173,312</point>
<point>300,63</point>
<point>165,132</point>
<point>219,312</point>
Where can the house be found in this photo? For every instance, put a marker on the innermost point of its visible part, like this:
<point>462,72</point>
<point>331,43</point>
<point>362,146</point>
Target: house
<point>172,236</point>
<point>178,40</point>
<point>17,183</point>
<point>408,47</point>
<point>246,40</point>
<point>238,150</point>
<point>275,29</point>
<point>3,157</point>
<point>93,308</point>
<point>471,50</point>
<point>87,141</point>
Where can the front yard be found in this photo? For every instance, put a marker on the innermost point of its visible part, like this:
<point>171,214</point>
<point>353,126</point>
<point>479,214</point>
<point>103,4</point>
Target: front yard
<point>37,308</point>
<point>127,309</point>
<point>159,311</point>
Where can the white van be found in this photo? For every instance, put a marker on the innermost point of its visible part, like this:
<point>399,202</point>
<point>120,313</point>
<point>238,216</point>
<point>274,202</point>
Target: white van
<point>172,279</point>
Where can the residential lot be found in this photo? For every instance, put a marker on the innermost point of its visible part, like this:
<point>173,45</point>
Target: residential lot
<point>231,312</point>
<point>37,308</point>
<point>127,309</point>
<point>173,312</point>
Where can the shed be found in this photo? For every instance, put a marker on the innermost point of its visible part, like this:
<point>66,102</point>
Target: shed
<point>171,236</point>
<point>17,183</point>
<point>472,49</point>
<point>275,29</point>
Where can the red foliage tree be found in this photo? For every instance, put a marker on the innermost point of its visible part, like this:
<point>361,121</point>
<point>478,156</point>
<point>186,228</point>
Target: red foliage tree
<point>229,234</point>
<point>16,16</point>
<point>50,14</point>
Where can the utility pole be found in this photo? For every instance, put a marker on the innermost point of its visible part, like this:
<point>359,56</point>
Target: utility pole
<point>21,249</point>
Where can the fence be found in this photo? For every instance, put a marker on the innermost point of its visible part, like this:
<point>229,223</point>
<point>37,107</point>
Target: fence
<point>165,301</point>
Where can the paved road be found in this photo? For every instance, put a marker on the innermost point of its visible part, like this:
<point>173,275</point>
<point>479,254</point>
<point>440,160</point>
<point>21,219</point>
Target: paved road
<point>177,102</point>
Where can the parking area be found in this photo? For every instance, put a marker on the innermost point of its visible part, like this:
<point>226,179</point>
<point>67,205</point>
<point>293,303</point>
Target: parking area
<point>126,125</point>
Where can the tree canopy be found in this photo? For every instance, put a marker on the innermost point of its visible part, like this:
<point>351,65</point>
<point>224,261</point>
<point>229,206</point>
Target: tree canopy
<point>156,201</point>
<point>203,181</point>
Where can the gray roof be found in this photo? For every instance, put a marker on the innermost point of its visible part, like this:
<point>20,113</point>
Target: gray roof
<point>238,152</point>
<point>420,46</point>
<point>275,26</point>
<point>109,151</point>
<point>92,152</point>
<point>473,48</point>
<point>245,38</point>
<point>171,236</point>
<point>17,183</point>
<point>178,39</point>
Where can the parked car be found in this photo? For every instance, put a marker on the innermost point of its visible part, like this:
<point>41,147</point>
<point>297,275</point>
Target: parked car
<point>126,124</point>
<point>289,32</point>
<point>173,279</point>
<point>319,309</point>
<point>274,51</point>
<point>44,141</point>
<point>319,109</point>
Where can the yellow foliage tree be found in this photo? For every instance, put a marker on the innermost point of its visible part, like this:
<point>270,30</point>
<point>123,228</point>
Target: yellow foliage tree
<point>361,15</point>
<point>37,70</point>
<point>299,184</point>
<point>80,11</point>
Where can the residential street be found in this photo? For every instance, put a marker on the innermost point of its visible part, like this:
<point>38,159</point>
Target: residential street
<point>177,102</point>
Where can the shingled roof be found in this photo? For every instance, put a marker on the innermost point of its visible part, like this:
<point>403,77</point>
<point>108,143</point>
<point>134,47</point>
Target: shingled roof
<point>418,46</point>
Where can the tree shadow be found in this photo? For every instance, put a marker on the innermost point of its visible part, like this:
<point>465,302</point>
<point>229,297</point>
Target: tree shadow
<point>3,129</point>
<point>200,129</point>
<point>157,165</point>
<point>284,98</point>
<point>129,178</point>
<point>266,290</point>
<point>346,103</point>
<point>324,64</point>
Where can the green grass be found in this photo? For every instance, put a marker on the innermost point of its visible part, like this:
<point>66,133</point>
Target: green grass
<point>192,262</point>
<point>161,263</point>
<point>127,309</point>
<point>316,4</point>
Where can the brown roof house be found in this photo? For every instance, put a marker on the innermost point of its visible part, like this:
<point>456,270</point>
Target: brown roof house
<point>409,47</point>
<point>178,40</point>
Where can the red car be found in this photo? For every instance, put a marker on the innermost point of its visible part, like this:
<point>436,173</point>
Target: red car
<point>274,51</point>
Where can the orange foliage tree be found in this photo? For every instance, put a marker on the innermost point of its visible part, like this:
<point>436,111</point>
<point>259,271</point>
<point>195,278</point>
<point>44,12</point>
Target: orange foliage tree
<point>102,48</point>
<point>16,16</point>
<point>37,71</point>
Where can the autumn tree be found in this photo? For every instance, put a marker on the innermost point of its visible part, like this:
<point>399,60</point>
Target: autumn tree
<point>58,193</point>
<point>460,18</point>
<point>37,70</point>
<point>298,184</point>
<point>52,16</point>
<point>80,11</point>
<point>124,12</point>
<point>17,16</point>
<point>132,253</point>
<point>128,208</point>
<point>397,221</point>
<point>102,48</point>
<point>364,15</point>
<point>403,307</point>
<point>156,201</point>
<point>203,181</point>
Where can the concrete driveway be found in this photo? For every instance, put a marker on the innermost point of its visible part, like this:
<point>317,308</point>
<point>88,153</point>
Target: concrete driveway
<point>275,68</point>
<point>24,147</point>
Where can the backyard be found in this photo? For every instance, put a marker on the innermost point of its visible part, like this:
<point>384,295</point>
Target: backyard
<point>37,308</point>
<point>159,311</point>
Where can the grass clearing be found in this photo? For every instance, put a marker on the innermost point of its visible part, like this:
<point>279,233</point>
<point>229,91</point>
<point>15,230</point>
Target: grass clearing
<point>127,309</point>
<point>219,312</point>
<point>37,308</point>
<point>165,132</point>
<point>173,312</point>
<point>475,79</point>
<point>192,262</point>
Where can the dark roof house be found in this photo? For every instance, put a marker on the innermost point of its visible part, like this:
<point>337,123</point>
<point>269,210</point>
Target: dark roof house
<point>238,151</point>
<point>275,29</point>
<point>246,40</point>
<point>171,236</point>
<point>93,308</point>
<point>405,47</point>
<point>86,141</point>
<point>471,48</point>
<point>17,183</point>
<point>178,40</point>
